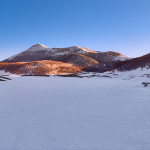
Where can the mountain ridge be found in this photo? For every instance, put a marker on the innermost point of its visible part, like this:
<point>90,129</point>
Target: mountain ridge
<point>84,58</point>
<point>54,52</point>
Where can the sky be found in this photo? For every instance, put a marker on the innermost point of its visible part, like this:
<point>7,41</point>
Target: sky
<point>102,25</point>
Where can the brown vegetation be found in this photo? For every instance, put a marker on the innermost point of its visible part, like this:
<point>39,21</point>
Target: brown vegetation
<point>44,67</point>
<point>80,60</point>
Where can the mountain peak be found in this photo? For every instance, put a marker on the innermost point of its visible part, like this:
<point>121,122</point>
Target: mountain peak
<point>83,49</point>
<point>37,46</point>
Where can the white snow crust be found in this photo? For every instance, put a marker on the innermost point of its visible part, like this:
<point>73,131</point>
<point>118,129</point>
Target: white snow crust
<point>54,113</point>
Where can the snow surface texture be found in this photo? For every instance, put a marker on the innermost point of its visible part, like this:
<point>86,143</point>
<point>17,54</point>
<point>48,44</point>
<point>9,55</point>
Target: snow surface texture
<point>140,72</point>
<point>54,113</point>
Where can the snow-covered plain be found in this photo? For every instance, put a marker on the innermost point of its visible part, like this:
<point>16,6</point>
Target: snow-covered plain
<point>55,113</point>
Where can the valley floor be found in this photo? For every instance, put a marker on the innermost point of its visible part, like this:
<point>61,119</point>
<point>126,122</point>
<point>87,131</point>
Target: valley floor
<point>56,113</point>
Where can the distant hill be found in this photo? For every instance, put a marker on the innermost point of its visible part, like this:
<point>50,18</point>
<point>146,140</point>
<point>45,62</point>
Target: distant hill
<point>133,64</point>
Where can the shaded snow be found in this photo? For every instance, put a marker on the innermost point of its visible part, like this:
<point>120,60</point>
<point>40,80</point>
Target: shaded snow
<point>3,73</point>
<point>51,113</point>
<point>33,48</point>
<point>12,57</point>
<point>121,58</point>
<point>139,72</point>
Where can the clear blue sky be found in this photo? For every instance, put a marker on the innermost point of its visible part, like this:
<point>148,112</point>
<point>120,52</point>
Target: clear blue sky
<point>117,25</point>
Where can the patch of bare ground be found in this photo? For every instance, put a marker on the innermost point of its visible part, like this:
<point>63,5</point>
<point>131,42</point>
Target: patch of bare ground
<point>84,75</point>
<point>2,78</point>
<point>145,84</point>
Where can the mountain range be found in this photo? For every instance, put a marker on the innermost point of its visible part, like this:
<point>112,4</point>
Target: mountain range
<point>41,60</point>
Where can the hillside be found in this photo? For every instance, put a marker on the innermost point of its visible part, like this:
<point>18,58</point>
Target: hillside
<point>44,67</point>
<point>133,64</point>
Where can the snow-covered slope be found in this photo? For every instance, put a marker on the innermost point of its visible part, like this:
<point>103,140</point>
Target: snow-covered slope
<point>139,73</point>
<point>117,56</point>
<point>38,113</point>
